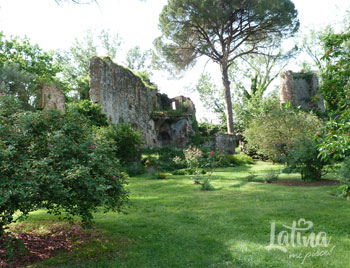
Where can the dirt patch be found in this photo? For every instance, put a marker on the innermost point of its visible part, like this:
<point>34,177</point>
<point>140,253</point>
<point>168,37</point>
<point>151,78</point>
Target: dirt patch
<point>38,245</point>
<point>296,182</point>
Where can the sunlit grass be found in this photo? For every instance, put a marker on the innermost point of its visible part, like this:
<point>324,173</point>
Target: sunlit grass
<point>172,223</point>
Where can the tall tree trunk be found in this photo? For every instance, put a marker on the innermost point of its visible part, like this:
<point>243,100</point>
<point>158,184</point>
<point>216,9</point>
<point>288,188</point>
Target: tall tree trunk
<point>228,100</point>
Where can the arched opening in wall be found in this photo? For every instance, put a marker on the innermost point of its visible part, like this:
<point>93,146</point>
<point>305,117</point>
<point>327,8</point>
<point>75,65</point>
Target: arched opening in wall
<point>164,138</point>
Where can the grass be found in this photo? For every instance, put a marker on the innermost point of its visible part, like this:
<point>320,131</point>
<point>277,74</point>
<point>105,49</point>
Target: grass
<point>171,223</point>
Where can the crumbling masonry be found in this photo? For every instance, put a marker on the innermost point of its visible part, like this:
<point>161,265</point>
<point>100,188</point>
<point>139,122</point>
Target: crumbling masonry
<point>125,97</point>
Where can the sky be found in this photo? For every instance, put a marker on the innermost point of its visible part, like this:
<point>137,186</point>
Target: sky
<point>54,27</point>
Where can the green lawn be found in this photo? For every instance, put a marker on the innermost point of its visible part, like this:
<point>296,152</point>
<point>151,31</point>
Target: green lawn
<point>171,223</point>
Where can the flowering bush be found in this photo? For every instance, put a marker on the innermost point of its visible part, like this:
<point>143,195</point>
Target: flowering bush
<point>54,161</point>
<point>193,157</point>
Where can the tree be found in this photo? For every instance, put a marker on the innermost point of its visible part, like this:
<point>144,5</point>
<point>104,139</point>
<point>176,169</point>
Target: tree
<point>222,30</point>
<point>137,59</point>
<point>312,43</point>
<point>75,61</point>
<point>18,83</point>
<point>23,66</point>
<point>210,96</point>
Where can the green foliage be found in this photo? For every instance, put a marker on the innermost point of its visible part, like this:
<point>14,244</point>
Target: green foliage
<point>222,31</point>
<point>166,158</point>
<point>241,159</point>
<point>75,61</point>
<point>335,144</point>
<point>302,157</point>
<point>344,175</point>
<point>126,142</point>
<point>272,131</point>
<point>54,161</point>
<point>18,83</point>
<point>91,111</point>
<point>270,177</point>
<point>155,174</point>
<point>22,66</point>
<point>211,96</point>
<point>335,89</point>
<point>335,86</point>
<point>195,28</point>
<point>208,130</point>
<point>138,60</point>
<point>247,110</point>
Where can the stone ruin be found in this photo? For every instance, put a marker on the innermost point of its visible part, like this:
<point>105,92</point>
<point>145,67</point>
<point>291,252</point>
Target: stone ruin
<point>51,97</point>
<point>125,97</point>
<point>301,89</point>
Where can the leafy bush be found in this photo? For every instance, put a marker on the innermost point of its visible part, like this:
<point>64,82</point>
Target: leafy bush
<point>302,157</point>
<point>274,130</point>
<point>93,112</point>
<point>241,159</point>
<point>344,175</point>
<point>126,142</point>
<point>164,157</point>
<point>335,89</point>
<point>54,161</point>
<point>270,177</point>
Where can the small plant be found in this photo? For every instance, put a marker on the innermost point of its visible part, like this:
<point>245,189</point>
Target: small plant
<point>193,157</point>
<point>251,177</point>
<point>211,166</point>
<point>206,186</point>
<point>155,174</point>
<point>271,177</point>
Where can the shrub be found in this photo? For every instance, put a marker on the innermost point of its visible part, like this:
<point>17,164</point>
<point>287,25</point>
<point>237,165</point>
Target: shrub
<point>168,158</point>
<point>93,112</point>
<point>274,130</point>
<point>241,159</point>
<point>270,177</point>
<point>126,142</point>
<point>302,157</point>
<point>344,175</point>
<point>54,161</point>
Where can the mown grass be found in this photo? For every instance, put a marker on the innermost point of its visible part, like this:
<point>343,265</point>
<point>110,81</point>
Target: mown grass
<point>171,223</point>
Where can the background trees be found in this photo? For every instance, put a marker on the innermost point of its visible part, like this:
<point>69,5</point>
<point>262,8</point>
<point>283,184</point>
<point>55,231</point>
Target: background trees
<point>23,66</point>
<point>75,61</point>
<point>222,31</point>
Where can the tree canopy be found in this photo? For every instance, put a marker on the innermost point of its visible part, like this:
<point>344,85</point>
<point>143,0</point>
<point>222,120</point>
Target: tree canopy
<point>222,30</point>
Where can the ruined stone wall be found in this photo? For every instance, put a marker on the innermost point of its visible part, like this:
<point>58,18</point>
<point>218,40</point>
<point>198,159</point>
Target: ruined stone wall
<point>51,97</point>
<point>301,89</point>
<point>124,97</point>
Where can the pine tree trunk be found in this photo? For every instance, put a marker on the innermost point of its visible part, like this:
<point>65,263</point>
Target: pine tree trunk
<point>228,100</point>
